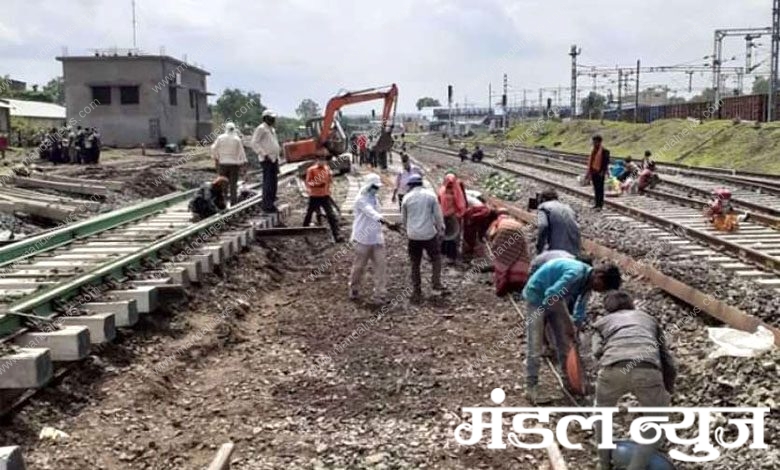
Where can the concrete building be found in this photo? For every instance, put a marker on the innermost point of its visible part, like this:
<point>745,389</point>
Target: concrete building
<point>5,117</point>
<point>135,98</point>
<point>35,114</point>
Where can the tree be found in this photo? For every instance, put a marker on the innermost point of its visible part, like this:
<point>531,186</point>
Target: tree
<point>308,109</point>
<point>593,105</point>
<point>760,86</point>
<point>244,109</point>
<point>707,96</point>
<point>56,89</point>
<point>427,102</point>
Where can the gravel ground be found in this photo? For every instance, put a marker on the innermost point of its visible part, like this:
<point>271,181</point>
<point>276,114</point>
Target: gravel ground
<point>738,381</point>
<point>273,357</point>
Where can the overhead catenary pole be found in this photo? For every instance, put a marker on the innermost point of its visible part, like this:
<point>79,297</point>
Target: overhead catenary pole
<point>574,52</point>
<point>135,45</point>
<point>636,94</point>
<point>504,102</point>
<point>620,95</point>
<point>773,69</point>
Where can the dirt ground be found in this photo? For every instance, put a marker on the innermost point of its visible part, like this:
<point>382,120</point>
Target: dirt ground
<point>273,357</point>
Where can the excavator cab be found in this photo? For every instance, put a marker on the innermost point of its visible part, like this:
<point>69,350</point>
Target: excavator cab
<point>337,139</point>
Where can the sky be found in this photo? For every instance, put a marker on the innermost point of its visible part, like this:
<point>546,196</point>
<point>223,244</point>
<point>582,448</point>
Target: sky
<point>288,50</point>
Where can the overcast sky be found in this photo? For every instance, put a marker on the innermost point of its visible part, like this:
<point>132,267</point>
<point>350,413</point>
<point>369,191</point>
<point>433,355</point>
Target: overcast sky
<point>293,49</point>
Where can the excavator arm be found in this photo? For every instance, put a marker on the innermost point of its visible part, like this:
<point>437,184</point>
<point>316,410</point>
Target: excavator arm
<point>390,97</point>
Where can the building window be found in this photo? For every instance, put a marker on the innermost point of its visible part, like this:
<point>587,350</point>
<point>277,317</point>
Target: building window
<point>101,95</point>
<point>128,95</point>
<point>173,96</point>
<point>193,97</point>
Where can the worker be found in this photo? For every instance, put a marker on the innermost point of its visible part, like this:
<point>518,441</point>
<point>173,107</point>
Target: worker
<point>402,180</point>
<point>546,256</point>
<point>476,221</point>
<point>96,143</point>
<point>557,227</point>
<point>629,170</point>
<point>478,154</point>
<point>80,142</point>
<point>463,153</point>
<point>554,290</point>
<point>209,199</point>
<point>369,240</point>
<point>424,223</point>
<point>230,158</point>
<point>362,144</point>
<point>647,178</point>
<point>452,199</point>
<point>598,163</point>
<point>71,155</point>
<point>633,357</point>
<point>266,145</point>
<point>617,169</point>
<point>510,254</point>
<point>318,181</point>
<point>647,160</point>
<point>54,143</point>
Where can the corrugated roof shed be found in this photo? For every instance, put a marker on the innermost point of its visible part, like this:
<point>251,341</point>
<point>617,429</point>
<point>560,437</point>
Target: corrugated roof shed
<point>35,109</point>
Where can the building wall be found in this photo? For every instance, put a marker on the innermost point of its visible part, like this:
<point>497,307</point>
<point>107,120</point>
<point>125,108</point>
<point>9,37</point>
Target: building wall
<point>129,125</point>
<point>5,120</point>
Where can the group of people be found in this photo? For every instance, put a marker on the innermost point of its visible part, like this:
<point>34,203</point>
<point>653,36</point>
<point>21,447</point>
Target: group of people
<point>477,156</point>
<point>627,176</point>
<point>231,163</point>
<point>68,145</point>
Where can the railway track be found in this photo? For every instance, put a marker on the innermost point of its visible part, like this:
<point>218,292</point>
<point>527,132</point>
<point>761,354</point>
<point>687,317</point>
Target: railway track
<point>758,196</point>
<point>67,290</point>
<point>750,254</point>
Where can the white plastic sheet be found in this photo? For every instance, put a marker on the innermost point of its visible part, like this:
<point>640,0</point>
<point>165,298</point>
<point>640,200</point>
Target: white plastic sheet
<point>736,343</point>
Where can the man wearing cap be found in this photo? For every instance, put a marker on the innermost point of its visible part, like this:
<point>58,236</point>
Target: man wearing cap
<point>402,179</point>
<point>424,222</point>
<point>230,158</point>
<point>369,240</point>
<point>266,145</point>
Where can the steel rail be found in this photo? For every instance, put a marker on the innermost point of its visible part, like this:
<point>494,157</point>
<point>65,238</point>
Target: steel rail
<point>762,259</point>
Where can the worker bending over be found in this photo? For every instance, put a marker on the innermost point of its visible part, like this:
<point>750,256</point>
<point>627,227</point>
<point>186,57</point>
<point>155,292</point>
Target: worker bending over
<point>558,288</point>
<point>422,217</point>
<point>318,181</point>
<point>209,199</point>
<point>369,240</point>
<point>510,254</point>
<point>230,158</point>
<point>266,145</point>
<point>557,227</point>
<point>632,358</point>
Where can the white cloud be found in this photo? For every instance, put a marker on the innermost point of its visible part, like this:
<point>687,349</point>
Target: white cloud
<point>290,50</point>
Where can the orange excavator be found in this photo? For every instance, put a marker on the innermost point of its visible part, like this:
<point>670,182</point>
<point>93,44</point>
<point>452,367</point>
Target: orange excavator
<point>326,136</point>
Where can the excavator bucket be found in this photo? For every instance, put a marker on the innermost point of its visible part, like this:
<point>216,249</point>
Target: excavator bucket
<point>385,142</point>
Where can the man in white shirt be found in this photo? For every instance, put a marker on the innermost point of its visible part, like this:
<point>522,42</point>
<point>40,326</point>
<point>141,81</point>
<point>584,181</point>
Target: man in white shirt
<point>369,240</point>
<point>266,145</point>
<point>230,158</point>
<point>424,222</point>
<point>402,179</point>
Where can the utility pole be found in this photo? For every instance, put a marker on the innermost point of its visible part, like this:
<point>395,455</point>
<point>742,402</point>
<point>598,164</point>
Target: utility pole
<point>574,52</point>
<point>690,80</point>
<point>449,110</point>
<point>770,116</point>
<point>620,95</point>
<point>636,95</point>
<point>135,45</point>
<point>541,105</point>
<point>490,98</point>
<point>525,104</point>
<point>504,102</point>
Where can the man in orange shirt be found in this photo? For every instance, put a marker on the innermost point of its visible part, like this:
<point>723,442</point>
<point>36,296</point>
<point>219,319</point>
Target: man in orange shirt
<point>597,170</point>
<point>318,181</point>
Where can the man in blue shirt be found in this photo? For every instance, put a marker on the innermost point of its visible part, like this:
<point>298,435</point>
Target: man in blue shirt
<point>558,287</point>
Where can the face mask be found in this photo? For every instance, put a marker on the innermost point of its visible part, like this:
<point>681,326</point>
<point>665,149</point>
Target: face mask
<point>373,190</point>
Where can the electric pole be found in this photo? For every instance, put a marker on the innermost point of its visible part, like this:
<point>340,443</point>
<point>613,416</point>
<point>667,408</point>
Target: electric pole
<point>503,101</point>
<point>620,95</point>
<point>135,45</point>
<point>636,95</point>
<point>770,116</point>
<point>490,98</point>
<point>574,52</point>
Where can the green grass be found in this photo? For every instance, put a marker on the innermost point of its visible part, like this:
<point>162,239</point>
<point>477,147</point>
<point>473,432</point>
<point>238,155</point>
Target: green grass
<point>712,143</point>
